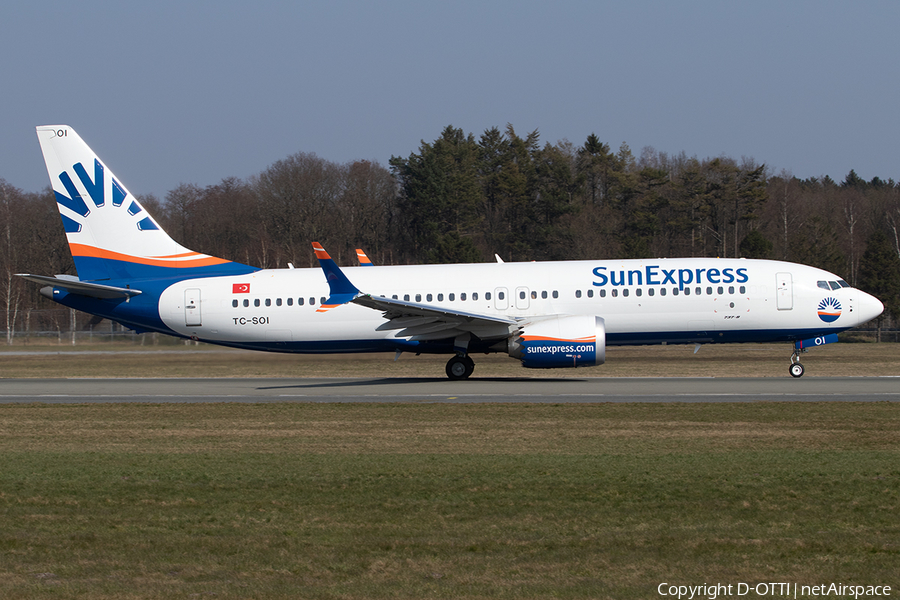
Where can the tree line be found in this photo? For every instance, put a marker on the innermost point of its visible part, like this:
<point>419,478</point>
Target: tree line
<point>465,199</point>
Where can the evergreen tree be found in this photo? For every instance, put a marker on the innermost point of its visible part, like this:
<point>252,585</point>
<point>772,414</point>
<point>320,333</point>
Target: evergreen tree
<point>755,245</point>
<point>439,194</point>
<point>879,275</point>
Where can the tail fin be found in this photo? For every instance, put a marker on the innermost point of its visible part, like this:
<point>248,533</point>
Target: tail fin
<point>110,234</point>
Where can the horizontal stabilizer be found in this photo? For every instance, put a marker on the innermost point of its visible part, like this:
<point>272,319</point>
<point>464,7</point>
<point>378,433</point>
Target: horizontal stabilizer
<point>84,288</point>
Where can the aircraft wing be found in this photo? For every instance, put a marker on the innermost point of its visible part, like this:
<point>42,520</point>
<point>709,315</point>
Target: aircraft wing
<point>422,322</point>
<point>419,322</point>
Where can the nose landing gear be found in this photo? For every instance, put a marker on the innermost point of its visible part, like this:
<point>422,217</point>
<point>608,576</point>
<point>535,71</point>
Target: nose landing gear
<point>796,369</point>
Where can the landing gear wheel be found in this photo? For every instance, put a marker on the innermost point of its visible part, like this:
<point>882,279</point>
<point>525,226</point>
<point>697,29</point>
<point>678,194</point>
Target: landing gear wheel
<point>796,370</point>
<point>460,367</point>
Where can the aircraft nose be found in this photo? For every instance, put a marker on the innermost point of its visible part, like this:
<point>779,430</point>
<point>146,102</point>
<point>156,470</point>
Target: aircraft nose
<point>869,307</point>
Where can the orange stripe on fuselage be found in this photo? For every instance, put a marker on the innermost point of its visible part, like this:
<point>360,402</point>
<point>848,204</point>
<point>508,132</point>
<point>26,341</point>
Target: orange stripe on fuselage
<point>542,338</point>
<point>92,252</point>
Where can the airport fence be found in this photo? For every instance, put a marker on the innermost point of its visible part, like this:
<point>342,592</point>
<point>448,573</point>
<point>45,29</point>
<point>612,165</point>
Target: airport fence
<point>63,326</point>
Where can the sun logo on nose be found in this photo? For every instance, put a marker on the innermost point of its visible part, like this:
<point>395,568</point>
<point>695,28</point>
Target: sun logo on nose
<point>829,310</point>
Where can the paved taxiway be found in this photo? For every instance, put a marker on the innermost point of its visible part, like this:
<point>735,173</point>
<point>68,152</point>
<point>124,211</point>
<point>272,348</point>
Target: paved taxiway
<point>599,389</point>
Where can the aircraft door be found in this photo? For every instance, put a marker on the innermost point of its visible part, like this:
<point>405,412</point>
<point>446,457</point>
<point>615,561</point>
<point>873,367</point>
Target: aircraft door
<point>501,300</point>
<point>522,298</point>
<point>784,291</point>
<point>192,307</point>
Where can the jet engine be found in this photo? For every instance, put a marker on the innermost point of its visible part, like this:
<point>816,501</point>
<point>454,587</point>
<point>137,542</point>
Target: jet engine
<point>560,341</point>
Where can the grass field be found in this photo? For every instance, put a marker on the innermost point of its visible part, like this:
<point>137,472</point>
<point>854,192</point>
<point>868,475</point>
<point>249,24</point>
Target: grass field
<point>443,501</point>
<point>728,360</point>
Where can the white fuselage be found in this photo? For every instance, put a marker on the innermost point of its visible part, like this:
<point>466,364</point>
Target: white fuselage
<point>646,301</point>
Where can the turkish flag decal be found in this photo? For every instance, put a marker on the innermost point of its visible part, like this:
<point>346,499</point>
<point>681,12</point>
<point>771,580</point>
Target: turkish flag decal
<point>240,288</point>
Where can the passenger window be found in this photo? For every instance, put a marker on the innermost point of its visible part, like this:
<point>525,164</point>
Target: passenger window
<point>662,291</point>
<point>578,293</point>
<point>674,291</point>
<point>428,298</point>
<point>638,292</point>
<point>743,290</point>
<point>603,293</point>
<point>500,295</point>
<point>234,303</point>
<point>687,291</point>
<point>246,303</point>
<point>625,293</point>
<point>823,285</point>
<point>544,295</point>
<point>290,301</point>
<point>452,297</point>
<point>709,291</point>
<point>395,297</point>
<point>277,301</point>
<point>590,293</point>
<point>615,292</point>
<point>651,291</point>
<point>312,301</point>
<point>256,302</point>
<point>721,290</point>
<point>730,289</point>
<point>418,297</point>
<point>474,295</point>
<point>555,294</point>
<point>487,295</point>
<point>522,295</point>
<point>406,297</point>
<point>533,295</point>
<point>440,297</point>
<point>698,291</point>
<point>268,302</point>
<point>322,300</point>
<point>462,296</point>
<point>299,301</point>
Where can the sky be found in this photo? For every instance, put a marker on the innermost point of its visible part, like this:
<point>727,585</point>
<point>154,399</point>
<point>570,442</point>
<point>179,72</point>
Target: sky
<point>193,92</point>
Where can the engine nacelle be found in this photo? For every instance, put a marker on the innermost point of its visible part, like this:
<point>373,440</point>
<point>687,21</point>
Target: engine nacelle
<point>561,341</point>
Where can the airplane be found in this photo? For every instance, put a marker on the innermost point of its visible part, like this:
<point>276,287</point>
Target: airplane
<point>558,314</point>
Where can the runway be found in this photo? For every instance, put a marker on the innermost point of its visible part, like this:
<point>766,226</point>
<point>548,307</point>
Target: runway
<point>475,390</point>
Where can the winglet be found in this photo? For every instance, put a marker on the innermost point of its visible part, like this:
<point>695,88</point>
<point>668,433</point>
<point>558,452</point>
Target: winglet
<point>363,259</point>
<point>341,290</point>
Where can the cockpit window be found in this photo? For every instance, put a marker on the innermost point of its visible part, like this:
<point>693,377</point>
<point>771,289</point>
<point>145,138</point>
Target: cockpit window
<point>835,285</point>
<point>823,285</point>
<point>844,283</point>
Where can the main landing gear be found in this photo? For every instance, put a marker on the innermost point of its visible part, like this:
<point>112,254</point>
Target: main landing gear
<point>460,367</point>
<point>796,369</point>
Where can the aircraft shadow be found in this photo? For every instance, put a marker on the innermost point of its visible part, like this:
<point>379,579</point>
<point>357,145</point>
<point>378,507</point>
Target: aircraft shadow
<point>349,383</point>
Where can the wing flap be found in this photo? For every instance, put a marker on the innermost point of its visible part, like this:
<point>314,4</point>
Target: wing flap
<point>424,322</point>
